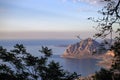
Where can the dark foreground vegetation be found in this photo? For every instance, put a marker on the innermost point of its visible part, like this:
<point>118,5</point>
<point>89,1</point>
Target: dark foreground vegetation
<point>17,64</point>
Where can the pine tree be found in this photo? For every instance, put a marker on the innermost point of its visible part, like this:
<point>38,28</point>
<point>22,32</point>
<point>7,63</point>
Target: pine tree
<point>18,64</point>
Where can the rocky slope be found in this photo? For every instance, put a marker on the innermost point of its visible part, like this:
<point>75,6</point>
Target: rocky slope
<point>84,48</point>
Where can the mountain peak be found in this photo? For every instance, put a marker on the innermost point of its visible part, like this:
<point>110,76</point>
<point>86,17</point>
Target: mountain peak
<point>82,48</point>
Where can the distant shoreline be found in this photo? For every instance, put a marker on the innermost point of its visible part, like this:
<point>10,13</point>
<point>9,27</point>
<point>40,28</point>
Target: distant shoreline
<point>82,57</point>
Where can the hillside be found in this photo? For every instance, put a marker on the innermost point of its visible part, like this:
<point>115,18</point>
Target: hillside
<point>83,49</point>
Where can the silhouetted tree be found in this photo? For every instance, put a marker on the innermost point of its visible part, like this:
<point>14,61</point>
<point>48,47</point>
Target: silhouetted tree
<point>106,27</point>
<point>103,74</point>
<point>111,16</point>
<point>18,64</point>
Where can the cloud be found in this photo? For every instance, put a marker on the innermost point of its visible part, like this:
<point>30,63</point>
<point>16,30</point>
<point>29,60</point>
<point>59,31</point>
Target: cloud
<point>87,1</point>
<point>85,9</point>
<point>91,1</point>
<point>63,0</point>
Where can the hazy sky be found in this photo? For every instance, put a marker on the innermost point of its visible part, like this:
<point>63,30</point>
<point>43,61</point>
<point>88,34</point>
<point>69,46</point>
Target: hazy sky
<point>46,17</point>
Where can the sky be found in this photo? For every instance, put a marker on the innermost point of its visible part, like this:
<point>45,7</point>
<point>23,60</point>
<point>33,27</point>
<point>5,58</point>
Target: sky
<point>47,19</point>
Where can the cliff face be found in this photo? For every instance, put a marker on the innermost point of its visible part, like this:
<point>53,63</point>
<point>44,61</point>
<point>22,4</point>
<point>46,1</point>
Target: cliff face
<point>83,48</point>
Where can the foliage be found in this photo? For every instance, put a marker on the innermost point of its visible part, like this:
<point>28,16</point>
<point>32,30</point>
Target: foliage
<point>111,16</point>
<point>18,64</point>
<point>106,27</point>
<point>116,60</point>
<point>103,74</point>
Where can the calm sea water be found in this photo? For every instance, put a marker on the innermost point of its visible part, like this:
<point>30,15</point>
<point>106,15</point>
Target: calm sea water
<point>81,66</point>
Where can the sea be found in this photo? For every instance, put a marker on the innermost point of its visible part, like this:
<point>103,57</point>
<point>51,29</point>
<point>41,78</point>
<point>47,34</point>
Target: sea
<point>82,67</point>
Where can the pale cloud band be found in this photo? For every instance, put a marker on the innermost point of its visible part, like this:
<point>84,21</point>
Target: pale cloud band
<point>88,1</point>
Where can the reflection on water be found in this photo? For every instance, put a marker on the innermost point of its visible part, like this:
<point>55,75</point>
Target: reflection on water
<point>81,66</point>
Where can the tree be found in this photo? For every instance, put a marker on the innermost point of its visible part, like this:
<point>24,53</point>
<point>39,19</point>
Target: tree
<point>103,74</point>
<point>111,16</point>
<point>106,27</point>
<point>18,64</point>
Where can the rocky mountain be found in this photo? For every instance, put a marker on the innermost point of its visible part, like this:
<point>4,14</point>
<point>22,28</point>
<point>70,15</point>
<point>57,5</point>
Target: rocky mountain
<point>84,48</point>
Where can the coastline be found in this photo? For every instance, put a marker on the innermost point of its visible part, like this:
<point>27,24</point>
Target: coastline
<point>104,61</point>
<point>82,57</point>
